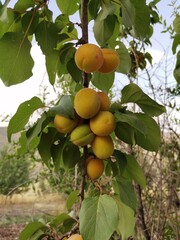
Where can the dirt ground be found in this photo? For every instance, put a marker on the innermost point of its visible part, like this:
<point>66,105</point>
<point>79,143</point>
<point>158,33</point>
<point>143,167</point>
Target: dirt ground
<point>18,207</point>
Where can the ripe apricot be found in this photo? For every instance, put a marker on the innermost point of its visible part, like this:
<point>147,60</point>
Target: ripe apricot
<point>105,101</point>
<point>82,135</point>
<point>111,60</point>
<point>89,57</point>
<point>64,124</point>
<point>87,103</point>
<point>103,147</point>
<point>103,123</point>
<point>95,167</point>
<point>75,237</point>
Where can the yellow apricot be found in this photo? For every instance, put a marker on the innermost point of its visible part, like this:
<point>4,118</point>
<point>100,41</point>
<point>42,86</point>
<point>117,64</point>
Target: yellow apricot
<point>75,237</point>
<point>105,101</point>
<point>64,124</point>
<point>103,123</point>
<point>89,57</point>
<point>95,167</point>
<point>87,103</point>
<point>111,60</point>
<point>103,147</point>
<point>82,135</point>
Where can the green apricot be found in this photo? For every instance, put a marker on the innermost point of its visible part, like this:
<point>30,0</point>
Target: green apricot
<point>82,135</point>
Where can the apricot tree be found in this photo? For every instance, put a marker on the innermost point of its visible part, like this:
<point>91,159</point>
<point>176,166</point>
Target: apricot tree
<point>106,211</point>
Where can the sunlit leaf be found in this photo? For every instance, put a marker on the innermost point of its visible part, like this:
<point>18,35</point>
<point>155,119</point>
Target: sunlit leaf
<point>124,57</point>
<point>16,62</point>
<point>103,81</point>
<point>70,7</point>
<point>72,198</point>
<point>128,12</point>
<point>22,115</point>
<point>22,5</point>
<point>98,213</point>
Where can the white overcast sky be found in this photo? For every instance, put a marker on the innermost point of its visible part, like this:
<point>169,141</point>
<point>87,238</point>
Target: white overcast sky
<point>11,97</point>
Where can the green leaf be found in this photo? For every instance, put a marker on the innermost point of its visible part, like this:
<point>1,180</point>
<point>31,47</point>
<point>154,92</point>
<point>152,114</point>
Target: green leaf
<point>103,81</point>
<point>132,119</point>
<point>72,198</point>
<point>128,12</point>
<point>71,155</point>
<point>176,24</point>
<point>125,132</point>
<point>124,188</point>
<point>74,71</point>
<point>11,23</point>
<point>133,93</point>
<point>125,60</point>
<point>107,9</point>
<point>22,5</point>
<point>52,65</point>
<point>70,7</point>
<point>135,171</point>
<point>177,68</point>
<point>46,35</point>
<point>16,62</point>
<point>97,214</point>
<point>22,115</point>
<point>103,29</point>
<point>93,8</point>
<point>142,19</point>
<point>121,161</point>
<point>44,147</point>
<point>127,220</point>
<point>29,22</point>
<point>64,108</point>
<point>152,139</point>
<point>30,229</point>
<point>59,219</point>
<point>176,43</point>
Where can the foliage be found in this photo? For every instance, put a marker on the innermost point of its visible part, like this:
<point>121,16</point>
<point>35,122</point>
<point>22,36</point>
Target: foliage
<point>109,206</point>
<point>14,172</point>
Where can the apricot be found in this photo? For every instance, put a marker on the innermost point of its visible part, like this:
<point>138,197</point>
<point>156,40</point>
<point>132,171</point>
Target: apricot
<point>75,237</point>
<point>105,101</point>
<point>103,123</point>
<point>64,124</point>
<point>87,103</point>
<point>111,60</point>
<point>89,57</point>
<point>95,167</point>
<point>82,135</point>
<point>103,147</point>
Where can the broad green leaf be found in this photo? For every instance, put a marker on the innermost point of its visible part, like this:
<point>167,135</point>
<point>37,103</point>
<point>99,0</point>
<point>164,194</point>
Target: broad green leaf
<point>53,65</point>
<point>62,21</point>
<point>124,188</point>
<point>135,171</point>
<point>70,7</point>
<point>59,219</point>
<point>125,60</point>
<point>177,68</point>
<point>44,147</point>
<point>11,23</point>
<point>103,29</point>
<point>22,5</point>
<point>103,81</point>
<point>93,8</point>
<point>142,19</point>
<point>71,155</point>
<point>22,115</point>
<point>152,139</point>
<point>72,198</point>
<point>125,132</point>
<point>176,43</point>
<point>133,93</point>
<point>57,153</point>
<point>66,52</point>
<point>121,161</point>
<point>16,62</point>
<point>128,12</point>
<point>30,229</point>
<point>30,21</point>
<point>176,24</point>
<point>46,35</point>
<point>98,217</point>
<point>127,220</point>
<point>132,119</point>
<point>64,108</point>
<point>74,71</point>
<point>107,9</point>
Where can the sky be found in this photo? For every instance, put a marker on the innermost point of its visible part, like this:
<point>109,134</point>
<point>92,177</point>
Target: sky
<point>11,97</point>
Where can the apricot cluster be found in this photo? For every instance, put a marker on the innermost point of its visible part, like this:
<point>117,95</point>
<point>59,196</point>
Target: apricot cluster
<point>92,126</point>
<point>91,58</point>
